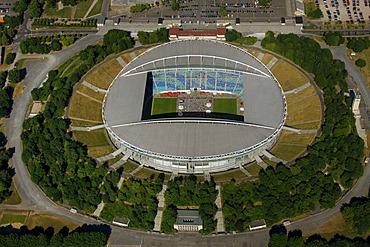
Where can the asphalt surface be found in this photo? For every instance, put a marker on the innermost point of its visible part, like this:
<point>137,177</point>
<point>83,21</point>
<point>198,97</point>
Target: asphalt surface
<point>33,198</point>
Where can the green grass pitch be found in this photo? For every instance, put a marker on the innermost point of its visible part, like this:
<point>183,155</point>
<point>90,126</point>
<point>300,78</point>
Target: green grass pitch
<point>225,106</point>
<point>163,105</point>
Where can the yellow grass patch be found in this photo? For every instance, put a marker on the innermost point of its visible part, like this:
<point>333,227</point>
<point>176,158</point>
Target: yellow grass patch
<point>92,138</point>
<point>266,59</point>
<point>46,221</point>
<point>114,160</point>
<point>254,52</point>
<point>138,52</point>
<point>88,91</point>
<point>314,124</point>
<point>253,168</point>
<point>287,152</point>
<point>99,78</point>
<point>236,174</point>
<point>111,67</point>
<point>97,152</point>
<point>304,110</point>
<point>288,76</point>
<point>295,97</point>
<point>269,162</point>
<point>148,172</point>
<point>129,166</point>
<point>18,90</point>
<point>126,57</point>
<point>79,123</point>
<point>85,108</point>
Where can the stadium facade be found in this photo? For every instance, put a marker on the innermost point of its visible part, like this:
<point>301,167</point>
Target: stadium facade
<point>194,144</point>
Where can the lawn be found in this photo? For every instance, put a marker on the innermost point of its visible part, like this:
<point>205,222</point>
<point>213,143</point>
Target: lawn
<point>88,91</point>
<point>112,68</point>
<point>365,55</point>
<point>114,160</point>
<point>164,105</point>
<point>269,162</point>
<point>288,76</point>
<point>84,108</point>
<point>99,78</point>
<point>92,138</point>
<point>225,106</point>
<point>82,8</point>
<point>12,218</point>
<point>236,174</point>
<point>306,109</point>
<point>253,168</point>
<point>97,152</point>
<point>126,57</point>
<point>46,221</point>
<point>254,52</point>
<point>295,138</point>
<point>55,13</point>
<point>147,172</point>
<point>129,166</point>
<point>79,123</point>
<point>96,9</point>
<point>72,67</point>
<point>287,152</point>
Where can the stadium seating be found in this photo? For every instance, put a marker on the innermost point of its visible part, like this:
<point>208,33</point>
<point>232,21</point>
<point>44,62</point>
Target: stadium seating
<point>206,79</point>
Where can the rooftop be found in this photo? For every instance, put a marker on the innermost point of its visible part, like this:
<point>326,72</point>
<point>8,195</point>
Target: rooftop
<point>188,217</point>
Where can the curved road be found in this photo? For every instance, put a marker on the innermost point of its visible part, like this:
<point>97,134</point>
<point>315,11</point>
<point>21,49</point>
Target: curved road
<point>34,198</point>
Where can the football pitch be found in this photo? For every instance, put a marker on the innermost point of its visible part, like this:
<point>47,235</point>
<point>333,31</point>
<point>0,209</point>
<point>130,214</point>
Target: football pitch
<point>163,105</point>
<point>225,106</point>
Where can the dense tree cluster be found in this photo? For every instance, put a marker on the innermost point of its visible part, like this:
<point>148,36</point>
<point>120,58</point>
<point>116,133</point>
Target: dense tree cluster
<point>85,235</point>
<point>237,37</point>
<point>6,173</point>
<point>294,239</point>
<point>137,201</point>
<point>47,43</point>
<point>140,7</point>
<point>157,36</point>
<point>356,214</point>
<point>358,44</point>
<point>333,38</point>
<point>3,76</point>
<point>6,101</point>
<point>8,28</point>
<point>334,158</point>
<point>35,8</point>
<point>116,41</point>
<point>315,14</point>
<point>186,191</point>
<point>16,75</point>
<point>175,5</point>
<point>58,164</point>
<point>10,58</point>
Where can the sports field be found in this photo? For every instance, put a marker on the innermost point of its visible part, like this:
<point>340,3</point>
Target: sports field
<point>163,105</point>
<point>225,106</point>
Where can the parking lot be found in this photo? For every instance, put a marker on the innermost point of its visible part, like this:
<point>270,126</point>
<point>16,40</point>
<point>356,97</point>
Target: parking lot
<point>206,11</point>
<point>345,10</point>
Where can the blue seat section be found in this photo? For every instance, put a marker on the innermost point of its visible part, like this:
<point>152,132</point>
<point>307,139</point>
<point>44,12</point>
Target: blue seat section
<point>206,79</point>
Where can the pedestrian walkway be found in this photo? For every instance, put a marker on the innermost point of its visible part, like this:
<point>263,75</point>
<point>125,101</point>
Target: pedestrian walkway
<point>219,215</point>
<point>260,56</point>
<point>207,176</point>
<point>121,161</point>
<point>95,88</point>
<point>121,61</point>
<point>110,156</point>
<point>260,162</point>
<point>76,128</point>
<point>90,8</point>
<point>98,210</point>
<point>89,97</point>
<point>298,89</point>
<point>272,62</point>
<point>271,157</point>
<point>158,217</point>
<point>245,171</point>
<point>133,55</point>
<point>120,182</point>
<point>173,175</point>
<point>136,170</point>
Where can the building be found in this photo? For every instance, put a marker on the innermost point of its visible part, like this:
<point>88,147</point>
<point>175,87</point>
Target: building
<point>37,107</point>
<point>100,21</point>
<point>121,221</point>
<point>212,34</point>
<point>200,143</point>
<point>257,224</point>
<point>188,221</point>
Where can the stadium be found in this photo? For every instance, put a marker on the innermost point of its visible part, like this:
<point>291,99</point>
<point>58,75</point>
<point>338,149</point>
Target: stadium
<point>194,107</point>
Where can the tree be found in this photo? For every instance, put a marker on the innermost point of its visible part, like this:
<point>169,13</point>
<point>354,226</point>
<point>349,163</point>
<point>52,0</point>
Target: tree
<point>315,14</point>
<point>175,5</point>
<point>35,9</point>
<point>223,11</point>
<point>55,45</point>
<point>360,63</point>
<point>15,75</point>
<point>333,38</point>
<point>10,58</point>
<point>20,6</point>
<point>356,214</point>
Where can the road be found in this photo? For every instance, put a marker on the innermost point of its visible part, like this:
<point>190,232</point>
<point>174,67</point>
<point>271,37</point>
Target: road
<point>35,199</point>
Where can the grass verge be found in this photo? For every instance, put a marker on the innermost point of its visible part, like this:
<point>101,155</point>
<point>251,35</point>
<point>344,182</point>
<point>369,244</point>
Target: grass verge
<point>84,108</point>
<point>46,221</point>
<point>236,174</point>
<point>96,9</point>
<point>365,55</point>
<point>14,198</point>
<point>253,168</point>
<point>12,218</point>
<point>82,8</point>
<point>92,138</point>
